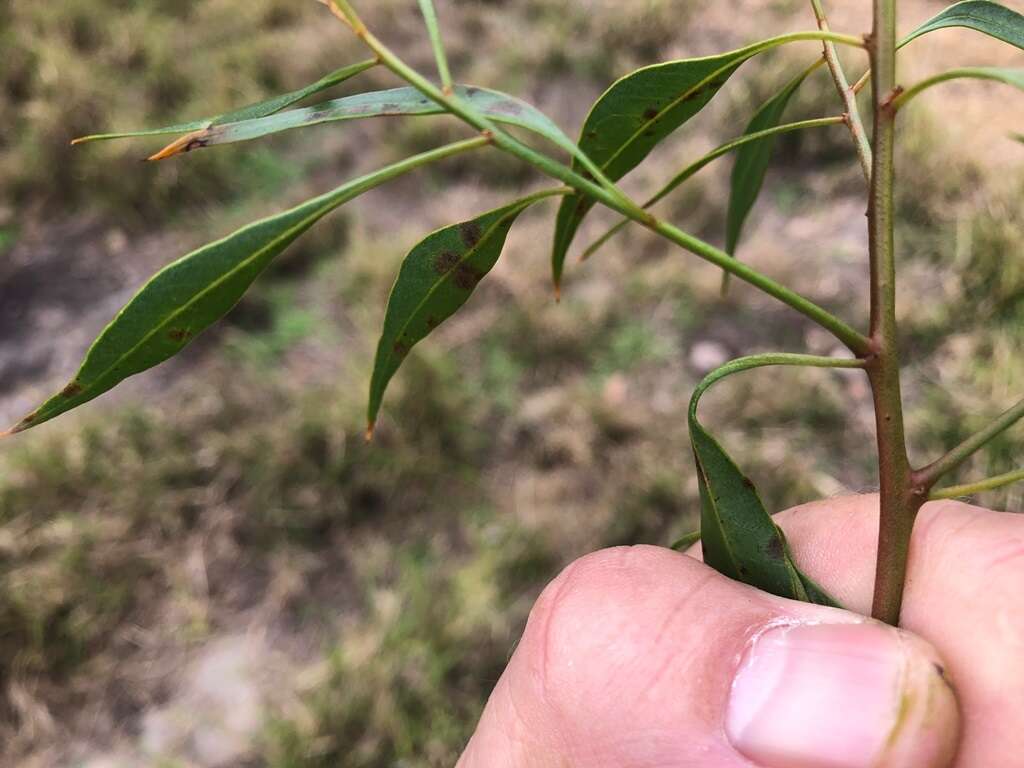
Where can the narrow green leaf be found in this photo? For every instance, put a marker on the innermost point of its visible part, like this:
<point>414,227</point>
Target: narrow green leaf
<point>436,279</point>
<point>990,18</point>
<point>738,536</point>
<point>752,161</point>
<point>259,109</point>
<point>642,109</point>
<point>188,296</point>
<point>393,102</point>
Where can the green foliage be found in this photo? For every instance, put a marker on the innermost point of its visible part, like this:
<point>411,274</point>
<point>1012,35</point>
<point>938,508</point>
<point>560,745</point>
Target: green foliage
<point>632,118</point>
<point>437,277</point>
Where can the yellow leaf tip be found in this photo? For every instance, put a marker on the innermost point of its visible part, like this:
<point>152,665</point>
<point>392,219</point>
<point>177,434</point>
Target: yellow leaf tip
<point>369,431</point>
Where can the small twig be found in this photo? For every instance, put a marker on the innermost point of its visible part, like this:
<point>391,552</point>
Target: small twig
<point>969,489</point>
<point>926,477</point>
<point>849,95</point>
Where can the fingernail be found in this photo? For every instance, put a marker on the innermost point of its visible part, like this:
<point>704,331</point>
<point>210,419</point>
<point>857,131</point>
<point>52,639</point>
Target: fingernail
<point>842,696</point>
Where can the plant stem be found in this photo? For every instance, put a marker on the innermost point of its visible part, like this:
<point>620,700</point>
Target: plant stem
<point>434,30</point>
<point>714,154</point>
<point>977,73</point>
<point>846,93</point>
<point>606,193</point>
<point>969,489</point>
<point>899,499</point>
<point>926,477</point>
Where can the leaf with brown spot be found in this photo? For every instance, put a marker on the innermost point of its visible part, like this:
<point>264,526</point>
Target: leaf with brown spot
<point>436,279</point>
<point>738,536</point>
<point>637,113</point>
<point>189,295</point>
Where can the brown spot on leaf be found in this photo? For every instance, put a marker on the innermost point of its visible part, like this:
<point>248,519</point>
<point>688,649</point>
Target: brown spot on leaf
<point>470,233</point>
<point>466,277</point>
<point>445,262</point>
<point>432,322</point>
<point>776,550</point>
<point>400,349</point>
<point>650,113</point>
<point>390,107</point>
<point>749,483</point>
<point>507,108</point>
<point>179,335</point>
<point>71,390</point>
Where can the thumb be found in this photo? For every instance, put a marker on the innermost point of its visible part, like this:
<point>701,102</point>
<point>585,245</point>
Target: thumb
<point>645,658</point>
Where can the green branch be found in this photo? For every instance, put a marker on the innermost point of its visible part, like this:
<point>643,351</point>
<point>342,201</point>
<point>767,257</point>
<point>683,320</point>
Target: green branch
<point>969,489</point>
<point>434,30</point>
<point>1014,77</point>
<point>699,164</point>
<point>926,477</point>
<point>604,191</point>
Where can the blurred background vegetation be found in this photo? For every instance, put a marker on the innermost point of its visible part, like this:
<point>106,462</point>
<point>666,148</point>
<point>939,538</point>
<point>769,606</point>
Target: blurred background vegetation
<point>210,567</point>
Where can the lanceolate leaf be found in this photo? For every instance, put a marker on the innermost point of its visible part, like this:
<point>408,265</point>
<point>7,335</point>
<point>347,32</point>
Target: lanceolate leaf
<point>393,102</point>
<point>637,113</point>
<point>437,277</point>
<point>738,536</point>
<point>990,18</point>
<point>752,161</point>
<point>260,109</point>
<point>186,297</point>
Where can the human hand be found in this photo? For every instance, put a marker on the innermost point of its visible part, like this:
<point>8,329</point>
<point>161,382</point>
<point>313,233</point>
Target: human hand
<point>645,658</point>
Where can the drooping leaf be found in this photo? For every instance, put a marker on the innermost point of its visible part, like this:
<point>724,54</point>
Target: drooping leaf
<point>188,296</point>
<point>500,107</point>
<point>252,111</point>
<point>752,160</point>
<point>637,113</point>
<point>738,536</point>
<point>990,18</point>
<point>436,279</point>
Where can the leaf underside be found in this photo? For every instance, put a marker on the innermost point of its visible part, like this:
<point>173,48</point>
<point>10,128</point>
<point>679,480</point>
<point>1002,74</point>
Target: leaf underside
<point>436,278</point>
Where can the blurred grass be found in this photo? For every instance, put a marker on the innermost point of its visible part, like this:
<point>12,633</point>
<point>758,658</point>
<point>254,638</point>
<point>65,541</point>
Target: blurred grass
<point>523,435</point>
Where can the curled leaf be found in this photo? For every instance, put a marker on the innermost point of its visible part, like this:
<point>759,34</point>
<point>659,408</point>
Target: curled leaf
<point>738,536</point>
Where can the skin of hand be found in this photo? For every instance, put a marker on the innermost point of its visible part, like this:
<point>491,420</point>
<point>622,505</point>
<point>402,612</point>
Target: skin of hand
<point>640,657</point>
